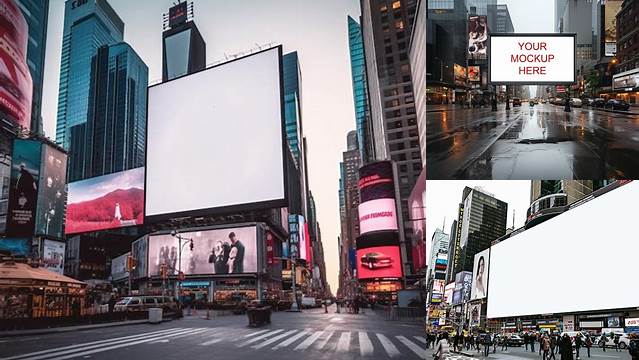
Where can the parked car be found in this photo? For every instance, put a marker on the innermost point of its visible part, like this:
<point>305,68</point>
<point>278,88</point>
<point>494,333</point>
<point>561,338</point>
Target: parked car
<point>308,302</point>
<point>617,104</point>
<point>515,340</point>
<point>598,102</point>
<point>559,101</point>
<point>586,101</point>
<point>575,102</point>
<point>516,102</point>
<point>143,303</point>
<point>624,341</point>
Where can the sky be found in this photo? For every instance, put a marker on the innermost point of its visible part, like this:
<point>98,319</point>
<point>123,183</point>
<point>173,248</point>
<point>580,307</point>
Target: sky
<point>443,198</point>
<point>317,30</point>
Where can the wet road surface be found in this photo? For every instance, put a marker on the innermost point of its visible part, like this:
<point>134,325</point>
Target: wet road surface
<point>542,142</point>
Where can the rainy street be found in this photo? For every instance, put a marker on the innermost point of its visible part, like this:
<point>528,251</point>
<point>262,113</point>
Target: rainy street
<point>532,143</point>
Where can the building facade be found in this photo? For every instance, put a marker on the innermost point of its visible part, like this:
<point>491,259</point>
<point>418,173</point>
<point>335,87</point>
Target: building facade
<point>418,70</point>
<point>439,244</point>
<point>183,48</point>
<point>360,88</point>
<point>292,102</point>
<point>88,25</point>
<point>36,13</point>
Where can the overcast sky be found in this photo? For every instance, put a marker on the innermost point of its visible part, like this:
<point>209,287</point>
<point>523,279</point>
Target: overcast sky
<point>317,30</point>
<point>443,198</point>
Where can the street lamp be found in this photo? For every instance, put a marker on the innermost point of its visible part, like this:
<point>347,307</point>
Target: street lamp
<point>189,241</point>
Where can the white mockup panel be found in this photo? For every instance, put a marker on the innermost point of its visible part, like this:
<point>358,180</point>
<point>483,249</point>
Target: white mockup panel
<point>215,137</point>
<point>556,253</point>
<point>377,215</point>
<point>556,54</point>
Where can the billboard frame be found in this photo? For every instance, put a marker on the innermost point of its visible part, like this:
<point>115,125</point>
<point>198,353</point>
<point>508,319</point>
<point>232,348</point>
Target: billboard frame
<point>574,58</point>
<point>227,209</point>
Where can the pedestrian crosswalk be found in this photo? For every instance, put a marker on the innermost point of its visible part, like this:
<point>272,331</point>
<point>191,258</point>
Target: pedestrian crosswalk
<point>301,341</point>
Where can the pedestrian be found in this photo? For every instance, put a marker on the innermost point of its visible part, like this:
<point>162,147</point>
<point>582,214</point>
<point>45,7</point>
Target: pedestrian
<point>633,347</point>
<point>496,339</point>
<point>533,339</point>
<point>541,340</point>
<point>565,348</point>
<point>455,341</point>
<point>427,338</point>
<point>504,343</point>
<point>75,309</point>
<point>487,343</point>
<point>604,341</point>
<point>442,348</point>
<point>616,340</point>
<point>467,338</point>
<point>471,341</point>
<point>588,343</point>
<point>111,303</point>
<point>578,344</point>
<point>526,340</point>
<point>478,342</point>
<point>553,346</point>
<point>545,344</point>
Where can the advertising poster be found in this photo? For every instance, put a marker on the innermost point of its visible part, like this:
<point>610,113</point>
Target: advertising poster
<point>118,267</point>
<point>13,246</point>
<point>477,36</point>
<point>16,85</point>
<point>569,322</point>
<point>23,194</point>
<point>626,80</point>
<point>467,285</point>
<point>632,325</point>
<point>377,215</point>
<point>448,293</point>
<point>474,314</point>
<point>376,181</point>
<point>613,322</point>
<point>460,74</point>
<point>417,210</point>
<point>177,14</point>
<point>480,278</point>
<point>457,297</point>
<point>270,251</point>
<point>52,190</point>
<point>53,255</point>
<point>352,259</point>
<point>295,232</point>
<point>106,202</point>
<point>140,251</point>
<point>379,262</point>
<point>610,26</point>
<point>217,251</point>
<point>474,74</point>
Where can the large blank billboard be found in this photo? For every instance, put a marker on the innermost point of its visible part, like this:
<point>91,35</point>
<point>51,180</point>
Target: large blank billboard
<point>532,58</point>
<point>216,141</point>
<point>577,261</point>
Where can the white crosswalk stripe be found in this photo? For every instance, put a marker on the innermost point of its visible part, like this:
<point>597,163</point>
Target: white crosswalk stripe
<point>344,342</point>
<point>274,339</point>
<point>420,339</point>
<point>309,341</point>
<point>255,333</point>
<point>290,340</point>
<point>263,336</point>
<point>365,344</point>
<point>388,345</point>
<point>322,343</point>
<point>411,345</point>
<point>211,342</point>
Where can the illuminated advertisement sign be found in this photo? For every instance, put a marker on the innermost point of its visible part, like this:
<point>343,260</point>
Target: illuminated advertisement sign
<point>477,36</point>
<point>448,293</point>
<point>296,232</point>
<point>611,10</point>
<point>376,181</point>
<point>460,74</point>
<point>474,314</point>
<point>140,252</point>
<point>106,202</point>
<point>177,14</point>
<point>417,211</point>
<point>379,262</point>
<point>15,246</point>
<point>457,252</point>
<point>626,80</point>
<point>474,74</point>
<point>16,85</point>
<point>376,215</point>
<point>377,239</point>
<point>118,267</point>
<point>216,251</point>
<point>53,255</point>
<point>480,271</point>
<point>23,192</point>
<point>532,59</point>
<point>52,193</point>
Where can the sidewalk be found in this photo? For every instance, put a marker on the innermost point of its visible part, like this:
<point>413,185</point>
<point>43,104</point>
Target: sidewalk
<point>62,329</point>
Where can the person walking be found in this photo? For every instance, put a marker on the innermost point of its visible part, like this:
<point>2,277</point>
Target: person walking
<point>616,340</point>
<point>541,341</point>
<point>442,348</point>
<point>455,341</point>
<point>588,344</point>
<point>545,344</point>
<point>487,343</point>
<point>478,342</point>
<point>533,339</point>
<point>471,341</point>
<point>553,346</point>
<point>504,343</point>
<point>604,340</point>
<point>496,339</point>
<point>526,340</point>
<point>578,344</point>
<point>633,347</point>
<point>565,348</point>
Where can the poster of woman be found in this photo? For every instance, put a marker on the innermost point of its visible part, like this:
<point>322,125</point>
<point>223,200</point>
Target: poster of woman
<point>480,275</point>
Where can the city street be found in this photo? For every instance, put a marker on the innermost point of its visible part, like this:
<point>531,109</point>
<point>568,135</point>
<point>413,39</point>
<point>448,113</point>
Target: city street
<point>532,143</point>
<point>311,334</point>
<point>521,353</point>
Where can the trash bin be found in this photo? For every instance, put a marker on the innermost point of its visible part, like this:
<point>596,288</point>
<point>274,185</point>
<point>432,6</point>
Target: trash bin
<point>155,315</point>
<point>258,315</point>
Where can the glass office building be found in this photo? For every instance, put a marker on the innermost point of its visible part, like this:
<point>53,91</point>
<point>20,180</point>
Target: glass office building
<point>292,102</point>
<point>113,137</point>
<point>88,25</point>
<point>36,13</point>
<point>360,94</point>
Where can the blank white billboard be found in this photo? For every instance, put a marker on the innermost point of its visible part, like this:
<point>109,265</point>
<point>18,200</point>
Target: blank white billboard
<point>532,59</point>
<point>215,139</point>
<point>581,260</point>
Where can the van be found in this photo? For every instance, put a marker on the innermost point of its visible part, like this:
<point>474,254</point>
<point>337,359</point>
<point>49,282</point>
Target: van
<point>308,302</point>
<point>143,303</point>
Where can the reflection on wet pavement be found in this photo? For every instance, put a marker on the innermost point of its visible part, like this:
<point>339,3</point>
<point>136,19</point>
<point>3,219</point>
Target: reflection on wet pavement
<point>542,142</point>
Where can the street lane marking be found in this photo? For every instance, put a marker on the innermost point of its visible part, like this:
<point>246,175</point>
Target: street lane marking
<point>309,341</point>
<point>365,344</point>
<point>84,353</point>
<point>322,343</point>
<point>211,342</point>
<point>119,339</point>
<point>274,339</point>
<point>255,333</point>
<point>411,345</point>
<point>390,348</point>
<point>192,333</point>
<point>255,339</point>
<point>420,339</point>
<point>290,340</point>
<point>344,342</point>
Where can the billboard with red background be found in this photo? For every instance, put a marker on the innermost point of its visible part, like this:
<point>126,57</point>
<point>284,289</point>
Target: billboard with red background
<point>417,211</point>
<point>379,262</point>
<point>376,181</point>
<point>16,85</point>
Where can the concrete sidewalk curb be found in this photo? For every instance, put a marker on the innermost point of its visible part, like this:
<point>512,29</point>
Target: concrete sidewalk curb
<point>63,329</point>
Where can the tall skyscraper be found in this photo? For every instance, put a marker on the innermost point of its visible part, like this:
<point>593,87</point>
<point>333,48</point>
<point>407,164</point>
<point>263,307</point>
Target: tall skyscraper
<point>440,242</point>
<point>36,13</point>
<point>88,25</point>
<point>351,163</point>
<point>450,275</point>
<point>576,17</point>
<point>499,20</point>
<point>386,30</point>
<point>418,70</point>
<point>483,220</point>
<point>113,137</point>
<point>292,102</point>
<point>183,48</point>
<point>360,90</point>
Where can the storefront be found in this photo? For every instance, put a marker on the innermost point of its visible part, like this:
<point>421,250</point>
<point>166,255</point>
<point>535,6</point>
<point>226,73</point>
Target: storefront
<point>234,290</point>
<point>385,291</point>
<point>436,95</point>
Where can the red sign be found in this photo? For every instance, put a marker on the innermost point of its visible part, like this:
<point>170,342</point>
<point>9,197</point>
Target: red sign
<point>269,248</point>
<point>560,89</point>
<point>379,262</point>
<point>181,276</point>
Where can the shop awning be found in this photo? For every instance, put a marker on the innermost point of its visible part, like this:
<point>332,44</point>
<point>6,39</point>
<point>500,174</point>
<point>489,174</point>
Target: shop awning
<point>20,271</point>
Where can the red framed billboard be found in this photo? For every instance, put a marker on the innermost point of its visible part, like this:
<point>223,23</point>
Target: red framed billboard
<point>379,262</point>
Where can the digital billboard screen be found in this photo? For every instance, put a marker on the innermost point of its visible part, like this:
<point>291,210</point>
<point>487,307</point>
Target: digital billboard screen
<point>477,36</point>
<point>140,251</point>
<point>215,139</point>
<point>380,238</point>
<point>611,10</point>
<point>579,238</point>
<point>417,211</point>
<point>106,202</point>
<point>480,275</point>
<point>532,59</point>
<point>53,255</point>
<point>377,215</point>
<point>15,246</point>
<point>177,14</point>
<point>23,194</point>
<point>118,267</point>
<point>376,181</point>
<point>52,193</point>
<point>215,251</point>
<point>379,262</point>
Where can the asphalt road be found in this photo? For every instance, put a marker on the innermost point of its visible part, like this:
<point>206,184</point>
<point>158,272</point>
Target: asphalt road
<point>311,334</point>
<point>542,142</point>
<point>522,353</point>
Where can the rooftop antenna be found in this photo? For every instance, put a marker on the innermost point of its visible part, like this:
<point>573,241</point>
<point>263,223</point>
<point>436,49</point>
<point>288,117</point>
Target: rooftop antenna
<point>444,224</point>
<point>513,219</point>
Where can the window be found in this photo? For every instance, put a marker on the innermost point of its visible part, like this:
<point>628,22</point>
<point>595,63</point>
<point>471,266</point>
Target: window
<point>401,45</point>
<point>392,114</point>
<point>389,50</point>
<point>405,67</point>
<point>400,34</point>
<point>397,4</point>
<point>392,103</point>
<point>389,60</point>
<point>149,301</point>
<point>390,92</point>
<point>399,25</point>
<point>383,8</point>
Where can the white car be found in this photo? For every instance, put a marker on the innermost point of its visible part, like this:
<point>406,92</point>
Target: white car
<point>308,302</point>
<point>624,341</point>
<point>575,102</point>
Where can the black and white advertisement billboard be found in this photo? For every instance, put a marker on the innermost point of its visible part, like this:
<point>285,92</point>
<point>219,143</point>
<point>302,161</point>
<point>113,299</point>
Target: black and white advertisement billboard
<point>118,267</point>
<point>52,193</point>
<point>215,140</point>
<point>53,255</point>
<point>140,251</point>
<point>23,192</point>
